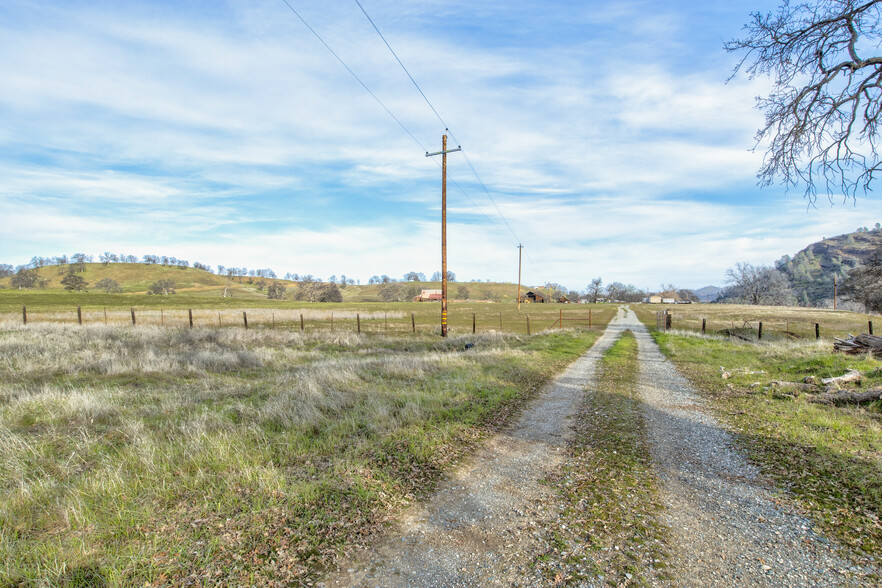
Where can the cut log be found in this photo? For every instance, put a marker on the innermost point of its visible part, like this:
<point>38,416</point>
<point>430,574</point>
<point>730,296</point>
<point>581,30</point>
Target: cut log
<point>850,376</point>
<point>847,397</point>
<point>798,385</point>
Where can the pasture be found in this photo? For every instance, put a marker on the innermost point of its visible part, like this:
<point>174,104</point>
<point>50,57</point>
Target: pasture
<point>156,454</point>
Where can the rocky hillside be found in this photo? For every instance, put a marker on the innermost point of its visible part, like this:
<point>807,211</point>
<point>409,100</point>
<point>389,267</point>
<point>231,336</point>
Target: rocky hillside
<point>812,270</point>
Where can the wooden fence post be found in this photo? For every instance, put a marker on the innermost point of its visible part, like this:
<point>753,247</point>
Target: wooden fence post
<point>105,315</point>
<point>357,322</point>
<point>474,323</point>
<point>500,322</point>
<point>703,326</point>
<point>24,315</point>
<point>413,322</point>
<point>190,315</point>
<point>528,323</point>
<point>589,318</point>
<point>161,317</point>
<point>870,324</point>
<point>274,320</point>
<point>245,318</point>
<point>133,316</point>
<point>561,318</point>
<point>817,330</point>
<point>218,319</point>
<point>80,315</point>
<point>302,326</point>
<point>759,334</point>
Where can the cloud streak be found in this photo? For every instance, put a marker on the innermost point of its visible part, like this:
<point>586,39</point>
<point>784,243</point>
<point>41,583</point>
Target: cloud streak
<point>227,134</point>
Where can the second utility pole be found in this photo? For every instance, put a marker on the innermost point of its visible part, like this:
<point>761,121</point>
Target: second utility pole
<point>443,153</point>
<point>520,249</point>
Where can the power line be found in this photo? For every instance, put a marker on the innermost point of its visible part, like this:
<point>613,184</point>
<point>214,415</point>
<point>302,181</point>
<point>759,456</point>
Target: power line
<point>363,85</point>
<point>404,127</point>
<point>440,119</point>
<point>395,55</point>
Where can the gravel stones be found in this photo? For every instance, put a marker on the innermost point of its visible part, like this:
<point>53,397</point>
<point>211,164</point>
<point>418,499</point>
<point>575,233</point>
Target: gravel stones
<point>728,528</point>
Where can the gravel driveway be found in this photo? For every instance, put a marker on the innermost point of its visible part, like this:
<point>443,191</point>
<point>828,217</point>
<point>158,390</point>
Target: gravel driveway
<point>728,529</point>
<point>484,525</point>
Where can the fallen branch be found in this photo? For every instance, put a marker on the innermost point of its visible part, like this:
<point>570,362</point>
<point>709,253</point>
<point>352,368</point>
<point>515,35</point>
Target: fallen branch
<point>850,376</point>
<point>846,397</point>
<point>798,385</point>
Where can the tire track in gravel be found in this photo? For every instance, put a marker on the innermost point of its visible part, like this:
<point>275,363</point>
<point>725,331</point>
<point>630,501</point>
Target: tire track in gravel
<point>482,526</point>
<point>726,527</point>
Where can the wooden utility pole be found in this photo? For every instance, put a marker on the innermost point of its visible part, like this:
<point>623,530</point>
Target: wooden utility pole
<point>443,153</point>
<point>520,251</point>
<point>834,291</point>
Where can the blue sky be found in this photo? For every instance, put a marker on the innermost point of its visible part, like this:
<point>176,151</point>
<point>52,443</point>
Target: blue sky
<point>223,132</point>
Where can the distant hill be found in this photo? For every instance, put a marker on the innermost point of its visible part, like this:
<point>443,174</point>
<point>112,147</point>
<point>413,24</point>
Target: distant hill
<point>708,293</point>
<point>811,271</point>
<point>136,278</point>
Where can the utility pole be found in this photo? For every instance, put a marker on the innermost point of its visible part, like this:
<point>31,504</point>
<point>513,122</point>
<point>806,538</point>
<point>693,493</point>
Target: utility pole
<point>520,251</point>
<point>834,291</point>
<point>443,153</point>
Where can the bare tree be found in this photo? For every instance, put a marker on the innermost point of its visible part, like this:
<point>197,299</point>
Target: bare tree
<point>758,285</point>
<point>108,285</point>
<point>74,282</point>
<point>163,287</point>
<point>594,290</point>
<point>276,291</point>
<point>823,111</point>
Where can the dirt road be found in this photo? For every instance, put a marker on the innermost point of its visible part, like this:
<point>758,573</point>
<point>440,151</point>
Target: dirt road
<point>485,524</point>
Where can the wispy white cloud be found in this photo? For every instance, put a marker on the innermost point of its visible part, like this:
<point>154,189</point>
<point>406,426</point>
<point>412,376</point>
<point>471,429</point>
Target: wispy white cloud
<point>226,133</point>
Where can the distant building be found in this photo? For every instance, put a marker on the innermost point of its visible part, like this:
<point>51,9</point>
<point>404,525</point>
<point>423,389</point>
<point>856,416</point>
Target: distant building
<point>530,297</point>
<point>654,299</point>
<point>427,295</point>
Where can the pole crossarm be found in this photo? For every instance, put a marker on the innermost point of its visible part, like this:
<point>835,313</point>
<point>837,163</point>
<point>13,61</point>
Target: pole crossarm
<point>445,152</point>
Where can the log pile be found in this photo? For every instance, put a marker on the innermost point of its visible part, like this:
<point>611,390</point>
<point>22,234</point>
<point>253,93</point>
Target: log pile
<point>860,344</point>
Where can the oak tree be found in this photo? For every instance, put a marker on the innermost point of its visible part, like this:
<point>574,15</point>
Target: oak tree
<point>822,114</point>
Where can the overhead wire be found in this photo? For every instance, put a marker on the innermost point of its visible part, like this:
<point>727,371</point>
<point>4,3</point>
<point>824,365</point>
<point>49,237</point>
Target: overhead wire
<point>363,85</point>
<point>404,127</point>
<point>440,119</point>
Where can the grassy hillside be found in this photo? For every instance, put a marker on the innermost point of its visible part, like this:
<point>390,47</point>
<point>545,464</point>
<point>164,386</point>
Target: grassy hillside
<point>811,270</point>
<point>194,284</point>
<point>134,277</point>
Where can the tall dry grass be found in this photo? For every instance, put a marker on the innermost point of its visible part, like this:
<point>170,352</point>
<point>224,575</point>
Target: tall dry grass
<point>166,452</point>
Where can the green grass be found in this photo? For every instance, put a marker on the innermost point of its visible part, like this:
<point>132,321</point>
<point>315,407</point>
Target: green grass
<point>229,457</point>
<point>829,459</point>
<point>608,488</point>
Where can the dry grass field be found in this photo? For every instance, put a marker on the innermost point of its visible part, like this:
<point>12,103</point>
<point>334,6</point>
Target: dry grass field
<point>163,455</point>
<point>779,322</point>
